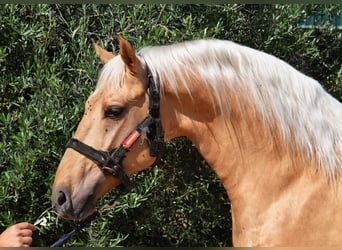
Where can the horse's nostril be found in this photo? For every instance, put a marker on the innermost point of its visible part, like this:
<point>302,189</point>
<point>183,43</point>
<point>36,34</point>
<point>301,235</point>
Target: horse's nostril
<point>61,198</point>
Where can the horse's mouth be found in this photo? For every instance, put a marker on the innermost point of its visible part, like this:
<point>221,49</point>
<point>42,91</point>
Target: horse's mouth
<point>78,213</point>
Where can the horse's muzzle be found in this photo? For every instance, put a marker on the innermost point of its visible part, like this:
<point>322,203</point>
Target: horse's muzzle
<point>78,207</point>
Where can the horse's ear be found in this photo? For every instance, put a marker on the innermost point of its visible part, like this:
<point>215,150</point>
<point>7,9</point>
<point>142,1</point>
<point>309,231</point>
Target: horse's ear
<point>128,55</point>
<point>104,55</point>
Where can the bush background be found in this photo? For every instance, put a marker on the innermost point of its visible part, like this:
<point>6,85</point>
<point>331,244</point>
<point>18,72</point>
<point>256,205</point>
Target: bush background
<point>48,68</point>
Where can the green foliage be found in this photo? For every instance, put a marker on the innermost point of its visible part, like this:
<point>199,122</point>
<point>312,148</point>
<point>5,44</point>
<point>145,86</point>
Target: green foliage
<point>48,68</point>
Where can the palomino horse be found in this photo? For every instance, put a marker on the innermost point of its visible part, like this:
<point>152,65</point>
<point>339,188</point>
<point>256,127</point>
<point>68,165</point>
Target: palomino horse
<point>271,134</point>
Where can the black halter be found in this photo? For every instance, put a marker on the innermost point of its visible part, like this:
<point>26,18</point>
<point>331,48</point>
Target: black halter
<point>111,161</point>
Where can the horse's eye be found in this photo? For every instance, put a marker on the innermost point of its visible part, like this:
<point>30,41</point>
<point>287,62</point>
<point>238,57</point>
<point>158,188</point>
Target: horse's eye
<point>114,112</point>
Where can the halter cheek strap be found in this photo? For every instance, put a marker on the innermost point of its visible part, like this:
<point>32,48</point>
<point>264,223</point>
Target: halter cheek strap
<point>111,161</point>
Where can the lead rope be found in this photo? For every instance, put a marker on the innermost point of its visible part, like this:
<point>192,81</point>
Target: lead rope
<point>110,205</point>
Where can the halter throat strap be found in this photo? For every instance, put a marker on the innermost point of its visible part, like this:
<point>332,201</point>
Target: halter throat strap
<point>111,161</point>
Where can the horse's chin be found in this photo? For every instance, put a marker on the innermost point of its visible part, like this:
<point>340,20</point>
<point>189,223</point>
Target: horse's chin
<point>86,211</point>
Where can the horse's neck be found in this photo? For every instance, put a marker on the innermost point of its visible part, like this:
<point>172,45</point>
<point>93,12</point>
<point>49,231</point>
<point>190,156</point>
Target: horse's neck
<point>235,147</point>
<point>268,186</point>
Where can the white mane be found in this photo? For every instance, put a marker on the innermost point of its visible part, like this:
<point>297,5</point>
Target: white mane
<point>304,112</point>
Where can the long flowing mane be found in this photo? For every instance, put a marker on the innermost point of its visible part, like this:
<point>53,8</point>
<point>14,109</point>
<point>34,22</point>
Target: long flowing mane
<point>307,117</point>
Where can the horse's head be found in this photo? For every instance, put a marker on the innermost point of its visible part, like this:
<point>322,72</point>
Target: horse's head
<point>119,103</point>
